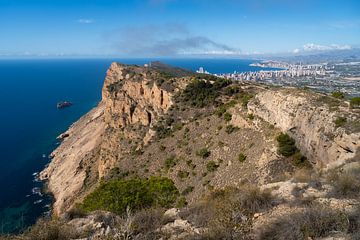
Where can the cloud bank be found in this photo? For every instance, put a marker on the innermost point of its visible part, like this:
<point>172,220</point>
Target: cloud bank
<point>165,40</point>
<point>311,47</point>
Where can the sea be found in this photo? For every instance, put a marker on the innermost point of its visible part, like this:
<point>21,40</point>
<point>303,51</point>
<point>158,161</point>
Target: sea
<point>30,121</point>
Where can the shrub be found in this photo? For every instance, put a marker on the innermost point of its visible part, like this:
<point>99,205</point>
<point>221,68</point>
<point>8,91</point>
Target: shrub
<point>49,230</point>
<point>355,102</point>
<point>201,93</point>
<point>286,145</point>
<point>345,183</point>
<point>220,111</point>
<point>211,166</point>
<point>338,94</point>
<point>242,157</point>
<point>227,117</point>
<point>245,99</point>
<point>227,213</point>
<point>232,90</point>
<point>187,190</point>
<point>230,129</point>
<point>251,116</point>
<point>170,162</point>
<point>162,131</point>
<point>115,196</point>
<point>311,223</point>
<point>298,159</point>
<point>182,174</point>
<point>340,122</point>
<point>204,153</point>
<point>145,222</point>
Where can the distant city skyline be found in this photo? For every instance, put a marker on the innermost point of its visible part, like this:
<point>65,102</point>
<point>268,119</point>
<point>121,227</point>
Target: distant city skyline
<point>176,28</point>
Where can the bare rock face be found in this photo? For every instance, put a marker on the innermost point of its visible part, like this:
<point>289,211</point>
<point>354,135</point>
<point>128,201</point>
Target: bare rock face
<point>67,171</point>
<point>132,98</point>
<point>311,123</point>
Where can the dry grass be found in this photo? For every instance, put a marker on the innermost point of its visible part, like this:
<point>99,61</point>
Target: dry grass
<point>345,183</point>
<point>313,222</point>
<point>228,213</point>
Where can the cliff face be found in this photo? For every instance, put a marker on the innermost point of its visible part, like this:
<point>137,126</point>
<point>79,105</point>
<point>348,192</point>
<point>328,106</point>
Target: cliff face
<point>131,103</point>
<point>309,119</point>
<point>73,159</point>
<point>131,96</point>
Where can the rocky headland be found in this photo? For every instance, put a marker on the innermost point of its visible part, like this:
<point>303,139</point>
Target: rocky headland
<point>211,136</point>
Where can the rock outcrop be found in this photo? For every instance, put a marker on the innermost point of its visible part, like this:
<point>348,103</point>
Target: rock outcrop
<point>132,98</point>
<point>310,122</point>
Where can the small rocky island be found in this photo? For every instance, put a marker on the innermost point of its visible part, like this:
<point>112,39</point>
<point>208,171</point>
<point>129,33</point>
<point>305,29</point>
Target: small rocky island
<point>64,104</point>
<point>169,154</point>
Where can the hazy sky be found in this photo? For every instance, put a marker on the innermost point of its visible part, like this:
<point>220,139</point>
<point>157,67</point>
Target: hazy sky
<point>176,27</point>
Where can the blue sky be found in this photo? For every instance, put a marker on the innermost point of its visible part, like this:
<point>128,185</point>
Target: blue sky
<point>146,28</point>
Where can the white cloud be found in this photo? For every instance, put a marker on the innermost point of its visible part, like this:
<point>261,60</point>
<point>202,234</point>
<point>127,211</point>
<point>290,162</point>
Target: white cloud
<point>85,21</point>
<point>312,47</point>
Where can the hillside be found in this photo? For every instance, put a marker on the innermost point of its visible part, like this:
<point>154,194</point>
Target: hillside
<point>232,160</point>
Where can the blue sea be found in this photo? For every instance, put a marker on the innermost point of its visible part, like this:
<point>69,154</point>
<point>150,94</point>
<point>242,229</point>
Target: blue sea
<point>30,121</point>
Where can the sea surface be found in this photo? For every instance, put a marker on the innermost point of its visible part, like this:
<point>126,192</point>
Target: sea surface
<point>30,121</point>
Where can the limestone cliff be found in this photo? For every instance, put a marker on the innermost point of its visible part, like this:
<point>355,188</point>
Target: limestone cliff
<point>309,118</point>
<point>132,101</point>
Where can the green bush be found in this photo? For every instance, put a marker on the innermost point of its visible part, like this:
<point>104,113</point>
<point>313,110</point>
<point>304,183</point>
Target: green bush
<point>162,131</point>
<point>115,196</point>
<point>230,129</point>
<point>299,159</point>
<point>227,117</point>
<point>182,174</point>
<point>211,166</point>
<point>251,116</point>
<point>204,153</point>
<point>355,102</point>
<point>245,99</point>
<point>338,94</point>
<point>220,111</point>
<point>201,93</point>
<point>170,162</point>
<point>286,145</point>
<point>340,122</point>
<point>187,190</point>
<point>242,157</point>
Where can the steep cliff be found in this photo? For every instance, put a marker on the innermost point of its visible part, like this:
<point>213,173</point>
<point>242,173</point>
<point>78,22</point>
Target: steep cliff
<point>134,102</point>
<point>311,119</point>
<point>133,98</point>
<point>73,159</point>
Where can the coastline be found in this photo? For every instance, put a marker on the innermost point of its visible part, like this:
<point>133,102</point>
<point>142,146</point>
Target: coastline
<point>65,170</point>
